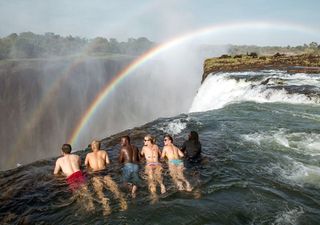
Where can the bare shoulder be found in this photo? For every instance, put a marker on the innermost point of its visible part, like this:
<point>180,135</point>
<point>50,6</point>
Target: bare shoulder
<point>144,148</point>
<point>75,156</point>
<point>59,160</point>
<point>103,152</point>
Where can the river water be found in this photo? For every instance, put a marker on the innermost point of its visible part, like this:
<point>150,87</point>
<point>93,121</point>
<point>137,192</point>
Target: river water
<point>261,162</point>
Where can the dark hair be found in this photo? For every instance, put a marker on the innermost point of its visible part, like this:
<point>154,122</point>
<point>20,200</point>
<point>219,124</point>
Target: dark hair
<point>169,136</point>
<point>127,138</point>
<point>194,136</point>
<point>66,148</point>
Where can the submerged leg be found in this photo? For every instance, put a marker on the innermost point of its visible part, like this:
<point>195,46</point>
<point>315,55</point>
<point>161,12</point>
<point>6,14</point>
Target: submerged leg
<point>98,186</point>
<point>159,179</point>
<point>181,177</point>
<point>84,196</point>
<point>150,179</point>
<point>175,177</point>
<point>115,190</point>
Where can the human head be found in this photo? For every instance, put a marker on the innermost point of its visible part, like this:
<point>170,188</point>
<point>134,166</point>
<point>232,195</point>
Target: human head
<point>167,139</point>
<point>149,139</point>
<point>95,145</point>
<point>194,136</point>
<point>125,140</point>
<point>66,148</point>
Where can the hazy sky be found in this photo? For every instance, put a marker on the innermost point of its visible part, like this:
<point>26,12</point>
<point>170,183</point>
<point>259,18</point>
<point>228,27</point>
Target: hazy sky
<point>164,19</point>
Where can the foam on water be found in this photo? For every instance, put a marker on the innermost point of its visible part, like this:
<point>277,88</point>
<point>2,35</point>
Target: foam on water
<point>173,127</point>
<point>288,217</point>
<point>290,167</point>
<point>297,173</point>
<point>302,143</point>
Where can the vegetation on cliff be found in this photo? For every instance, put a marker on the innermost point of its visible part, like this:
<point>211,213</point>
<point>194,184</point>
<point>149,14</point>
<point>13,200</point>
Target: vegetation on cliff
<point>311,48</point>
<point>30,45</point>
<point>309,63</point>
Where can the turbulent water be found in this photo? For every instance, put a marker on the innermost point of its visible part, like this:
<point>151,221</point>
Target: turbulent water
<point>261,152</point>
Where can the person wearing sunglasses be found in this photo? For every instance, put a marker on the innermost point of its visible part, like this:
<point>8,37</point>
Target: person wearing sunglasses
<point>153,168</point>
<point>176,167</point>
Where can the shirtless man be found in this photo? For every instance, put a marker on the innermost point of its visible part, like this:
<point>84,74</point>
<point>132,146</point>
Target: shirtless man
<point>97,161</point>
<point>69,164</point>
<point>153,167</point>
<point>176,167</point>
<point>129,156</point>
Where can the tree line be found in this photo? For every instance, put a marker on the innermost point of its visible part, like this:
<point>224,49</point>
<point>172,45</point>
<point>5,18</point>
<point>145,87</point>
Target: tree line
<point>30,45</point>
<point>311,48</point>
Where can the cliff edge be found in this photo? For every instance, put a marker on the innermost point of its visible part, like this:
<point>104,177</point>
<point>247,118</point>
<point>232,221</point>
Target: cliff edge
<point>305,63</point>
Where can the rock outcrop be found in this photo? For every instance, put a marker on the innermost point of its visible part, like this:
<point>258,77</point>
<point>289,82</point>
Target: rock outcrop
<point>306,63</point>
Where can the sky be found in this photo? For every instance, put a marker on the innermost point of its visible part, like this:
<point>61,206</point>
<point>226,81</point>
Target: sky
<point>163,20</point>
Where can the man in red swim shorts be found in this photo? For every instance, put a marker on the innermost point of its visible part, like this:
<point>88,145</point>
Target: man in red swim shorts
<point>70,166</point>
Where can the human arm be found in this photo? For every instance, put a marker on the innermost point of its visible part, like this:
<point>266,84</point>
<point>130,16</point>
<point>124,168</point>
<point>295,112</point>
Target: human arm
<point>107,158</point>
<point>79,162</point>
<point>142,152</point>
<point>163,154</point>
<point>121,158</point>
<point>138,155</point>
<point>180,153</point>
<point>86,161</point>
<point>57,167</point>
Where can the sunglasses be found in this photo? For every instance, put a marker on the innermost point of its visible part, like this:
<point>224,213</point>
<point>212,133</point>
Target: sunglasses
<point>165,139</point>
<point>146,140</point>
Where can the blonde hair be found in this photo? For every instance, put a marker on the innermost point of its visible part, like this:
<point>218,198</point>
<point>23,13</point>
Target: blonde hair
<point>151,138</point>
<point>96,144</point>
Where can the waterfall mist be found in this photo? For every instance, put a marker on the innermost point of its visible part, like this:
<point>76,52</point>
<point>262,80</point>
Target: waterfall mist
<point>42,101</point>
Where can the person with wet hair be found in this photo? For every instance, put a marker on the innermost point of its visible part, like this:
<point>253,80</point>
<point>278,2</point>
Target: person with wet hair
<point>176,167</point>
<point>129,156</point>
<point>97,161</point>
<point>69,164</point>
<point>192,147</point>
<point>153,168</point>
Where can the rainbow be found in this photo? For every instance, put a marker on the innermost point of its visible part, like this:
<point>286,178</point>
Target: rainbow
<point>37,114</point>
<point>109,87</point>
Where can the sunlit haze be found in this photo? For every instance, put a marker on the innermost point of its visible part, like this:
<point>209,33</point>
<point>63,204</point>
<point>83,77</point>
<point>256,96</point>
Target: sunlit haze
<point>160,21</point>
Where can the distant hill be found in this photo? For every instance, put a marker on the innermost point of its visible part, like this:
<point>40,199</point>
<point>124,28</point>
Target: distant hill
<point>30,45</point>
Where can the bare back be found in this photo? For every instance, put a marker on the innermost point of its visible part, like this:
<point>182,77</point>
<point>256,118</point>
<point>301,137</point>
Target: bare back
<point>97,160</point>
<point>151,153</point>
<point>69,164</point>
<point>171,152</point>
<point>129,154</point>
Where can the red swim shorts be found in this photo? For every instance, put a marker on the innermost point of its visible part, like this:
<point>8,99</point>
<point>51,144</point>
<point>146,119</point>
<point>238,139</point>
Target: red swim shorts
<point>75,180</point>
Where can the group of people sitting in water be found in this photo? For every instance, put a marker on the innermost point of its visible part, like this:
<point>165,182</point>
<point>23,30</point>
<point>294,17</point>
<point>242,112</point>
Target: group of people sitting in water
<point>130,157</point>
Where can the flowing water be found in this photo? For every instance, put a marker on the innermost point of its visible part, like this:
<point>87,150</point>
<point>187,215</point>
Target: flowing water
<point>261,162</point>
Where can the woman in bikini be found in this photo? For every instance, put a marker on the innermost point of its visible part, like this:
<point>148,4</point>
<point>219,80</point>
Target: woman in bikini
<point>175,163</point>
<point>153,168</point>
